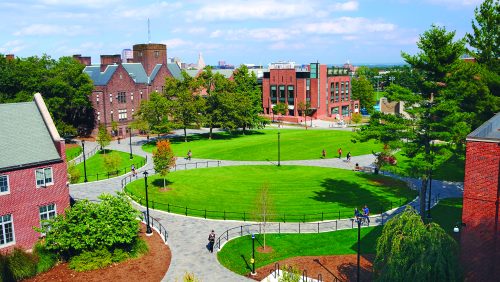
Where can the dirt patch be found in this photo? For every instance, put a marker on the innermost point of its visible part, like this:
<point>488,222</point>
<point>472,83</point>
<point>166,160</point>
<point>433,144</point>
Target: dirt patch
<point>165,189</point>
<point>150,267</point>
<point>342,267</point>
<point>389,182</point>
<point>266,250</point>
<point>71,145</point>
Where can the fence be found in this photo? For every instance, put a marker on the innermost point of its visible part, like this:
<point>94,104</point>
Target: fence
<point>154,223</point>
<point>275,272</point>
<point>185,166</point>
<point>110,174</point>
<point>79,159</point>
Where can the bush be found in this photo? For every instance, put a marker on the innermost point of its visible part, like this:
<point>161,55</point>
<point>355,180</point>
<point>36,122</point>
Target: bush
<point>91,260</point>
<point>74,173</point>
<point>46,258</point>
<point>21,264</point>
<point>139,247</point>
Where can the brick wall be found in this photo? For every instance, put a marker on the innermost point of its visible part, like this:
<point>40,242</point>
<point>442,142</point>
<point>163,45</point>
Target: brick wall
<point>480,242</point>
<point>25,198</point>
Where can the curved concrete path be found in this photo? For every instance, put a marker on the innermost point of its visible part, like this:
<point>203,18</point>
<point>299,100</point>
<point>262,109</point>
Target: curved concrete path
<point>188,235</point>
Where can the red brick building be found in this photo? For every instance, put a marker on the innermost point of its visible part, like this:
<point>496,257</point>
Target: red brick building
<point>33,176</point>
<point>120,87</point>
<point>328,90</point>
<point>480,234</point>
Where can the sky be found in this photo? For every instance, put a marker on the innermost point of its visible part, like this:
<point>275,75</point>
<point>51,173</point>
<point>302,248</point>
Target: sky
<point>237,32</point>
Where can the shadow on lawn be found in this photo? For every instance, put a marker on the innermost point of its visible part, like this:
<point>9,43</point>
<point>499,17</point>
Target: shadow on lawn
<point>368,249</point>
<point>179,139</point>
<point>159,182</point>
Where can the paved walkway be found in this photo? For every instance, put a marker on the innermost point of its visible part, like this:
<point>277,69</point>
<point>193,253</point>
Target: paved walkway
<point>188,235</point>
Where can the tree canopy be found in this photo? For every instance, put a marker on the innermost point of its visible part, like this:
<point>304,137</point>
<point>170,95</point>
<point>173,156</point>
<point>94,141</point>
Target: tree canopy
<point>362,90</point>
<point>163,158</point>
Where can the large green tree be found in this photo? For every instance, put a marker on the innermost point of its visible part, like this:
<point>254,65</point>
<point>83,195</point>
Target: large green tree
<point>248,94</point>
<point>485,39</point>
<point>409,250</point>
<point>362,90</point>
<point>153,115</point>
<point>62,83</point>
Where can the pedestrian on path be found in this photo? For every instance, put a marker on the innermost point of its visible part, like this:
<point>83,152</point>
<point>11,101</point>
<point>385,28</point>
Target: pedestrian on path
<point>132,168</point>
<point>211,241</point>
<point>349,157</point>
<point>340,153</point>
<point>189,155</point>
<point>323,154</point>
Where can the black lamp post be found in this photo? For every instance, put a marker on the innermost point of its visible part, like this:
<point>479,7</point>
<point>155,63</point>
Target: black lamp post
<point>253,254</point>
<point>358,220</point>
<point>84,162</point>
<point>430,183</point>
<point>130,142</point>
<point>279,147</point>
<point>148,228</point>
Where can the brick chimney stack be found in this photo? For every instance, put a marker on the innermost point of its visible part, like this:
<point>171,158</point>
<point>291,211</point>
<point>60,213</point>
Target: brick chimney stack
<point>86,61</point>
<point>110,60</point>
<point>9,57</point>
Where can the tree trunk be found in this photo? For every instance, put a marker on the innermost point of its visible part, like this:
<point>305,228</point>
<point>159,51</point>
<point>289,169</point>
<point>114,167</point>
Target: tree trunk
<point>422,196</point>
<point>164,182</point>
<point>305,121</point>
<point>210,133</point>
<point>185,135</point>
<point>244,129</point>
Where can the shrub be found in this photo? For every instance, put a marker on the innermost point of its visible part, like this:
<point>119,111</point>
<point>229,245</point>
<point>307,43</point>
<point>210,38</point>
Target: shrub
<point>139,247</point>
<point>46,258</point>
<point>21,264</point>
<point>289,274</point>
<point>90,260</point>
<point>74,173</point>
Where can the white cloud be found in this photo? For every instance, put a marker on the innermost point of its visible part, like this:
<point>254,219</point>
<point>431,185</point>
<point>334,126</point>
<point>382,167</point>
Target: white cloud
<point>150,11</point>
<point>259,34</point>
<point>80,3</point>
<point>48,29</point>
<point>13,47</point>
<point>282,45</point>
<point>176,42</point>
<point>244,10</point>
<point>455,3</point>
<point>346,6</point>
<point>348,25</point>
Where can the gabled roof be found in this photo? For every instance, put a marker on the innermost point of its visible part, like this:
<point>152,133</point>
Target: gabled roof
<point>136,72</point>
<point>192,73</point>
<point>98,77</point>
<point>227,73</point>
<point>488,131</point>
<point>26,137</point>
<point>154,72</point>
<point>175,70</point>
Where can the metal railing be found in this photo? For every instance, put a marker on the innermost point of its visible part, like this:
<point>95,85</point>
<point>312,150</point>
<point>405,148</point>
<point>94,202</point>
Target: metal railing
<point>111,174</point>
<point>79,158</point>
<point>155,224</point>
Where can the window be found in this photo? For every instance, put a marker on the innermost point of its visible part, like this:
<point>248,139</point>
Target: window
<point>110,98</point>
<point>47,212</point>
<point>122,97</point>
<point>6,230</point>
<point>98,115</point>
<point>111,115</point>
<point>4,184</point>
<point>157,54</point>
<point>308,90</point>
<point>97,99</point>
<point>291,94</point>
<point>122,115</point>
<point>282,93</point>
<point>274,94</point>
<point>335,110</point>
<point>44,176</point>
<point>131,96</point>
<point>345,110</point>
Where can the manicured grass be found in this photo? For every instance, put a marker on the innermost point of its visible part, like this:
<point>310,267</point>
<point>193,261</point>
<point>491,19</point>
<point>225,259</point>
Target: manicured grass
<point>261,145</point>
<point>453,169</point>
<point>302,193</point>
<point>236,254</point>
<point>96,170</point>
<point>72,151</point>
<point>447,213</point>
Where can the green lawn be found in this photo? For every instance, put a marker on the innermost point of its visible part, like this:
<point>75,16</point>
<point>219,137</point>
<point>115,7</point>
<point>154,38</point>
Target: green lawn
<point>453,169</point>
<point>96,169</point>
<point>236,254</point>
<point>447,213</point>
<point>302,193</point>
<point>261,145</point>
<point>73,152</point>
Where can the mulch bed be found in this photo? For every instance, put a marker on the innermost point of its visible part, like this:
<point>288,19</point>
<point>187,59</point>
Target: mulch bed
<point>342,267</point>
<point>150,267</point>
<point>71,145</point>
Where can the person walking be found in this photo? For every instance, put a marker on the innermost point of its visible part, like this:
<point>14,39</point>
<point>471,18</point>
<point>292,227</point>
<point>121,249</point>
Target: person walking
<point>211,241</point>
<point>366,213</point>
<point>323,154</point>
<point>340,153</point>
<point>132,168</point>
<point>349,157</point>
<point>189,155</point>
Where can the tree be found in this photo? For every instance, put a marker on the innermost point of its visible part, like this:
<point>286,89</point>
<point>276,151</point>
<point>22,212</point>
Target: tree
<point>409,250</point>
<point>163,158</point>
<point>249,94</point>
<point>305,109</point>
<point>356,118</point>
<point>280,109</point>
<point>486,34</point>
<point>103,137</point>
<point>88,226</point>
<point>362,90</point>
<point>185,100</point>
<point>154,114</point>
<point>264,212</point>
<point>73,172</point>
<point>111,162</point>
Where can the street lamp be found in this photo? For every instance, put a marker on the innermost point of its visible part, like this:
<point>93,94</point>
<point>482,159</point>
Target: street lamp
<point>148,228</point>
<point>279,147</point>
<point>84,162</point>
<point>358,220</point>
<point>130,142</point>
<point>253,255</point>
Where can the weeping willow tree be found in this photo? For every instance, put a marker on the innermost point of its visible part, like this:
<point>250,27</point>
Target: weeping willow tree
<point>409,250</point>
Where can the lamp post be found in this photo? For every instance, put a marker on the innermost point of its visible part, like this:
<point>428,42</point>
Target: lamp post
<point>359,247</point>
<point>149,232</point>
<point>279,148</point>
<point>130,142</point>
<point>253,254</point>
<point>84,162</point>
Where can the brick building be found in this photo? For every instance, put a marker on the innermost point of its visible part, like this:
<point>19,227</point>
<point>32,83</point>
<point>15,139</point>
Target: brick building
<point>480,235</point>
<point>120,87</point>
<point>33,177</point>
<point>328,90</point>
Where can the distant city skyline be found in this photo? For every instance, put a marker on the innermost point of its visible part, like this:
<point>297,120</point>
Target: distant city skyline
<point>237,32</point>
